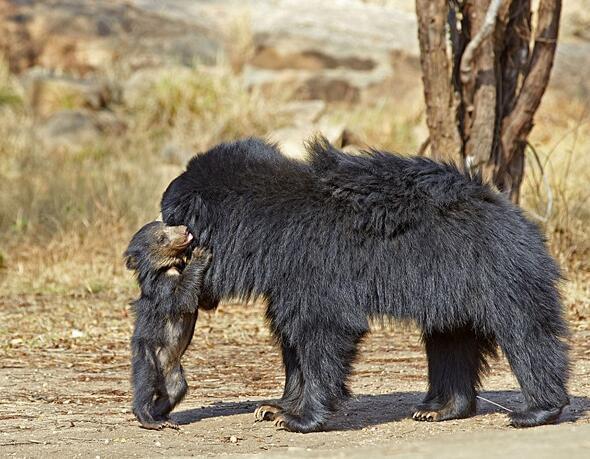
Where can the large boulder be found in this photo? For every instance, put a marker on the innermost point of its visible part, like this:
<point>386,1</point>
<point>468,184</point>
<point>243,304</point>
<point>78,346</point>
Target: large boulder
<point>89,35</point>
<point>332,51</point>
<point>338,50</point>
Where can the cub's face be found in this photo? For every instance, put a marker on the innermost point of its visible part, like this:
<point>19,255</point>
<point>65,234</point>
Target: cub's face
<point>156,246</point>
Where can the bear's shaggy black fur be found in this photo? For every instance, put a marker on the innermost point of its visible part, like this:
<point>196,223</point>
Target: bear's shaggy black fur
<point>340,239</point>
<point>165,316</point>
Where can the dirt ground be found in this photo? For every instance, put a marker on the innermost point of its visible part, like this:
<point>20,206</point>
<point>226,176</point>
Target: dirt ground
<point>65,386</point>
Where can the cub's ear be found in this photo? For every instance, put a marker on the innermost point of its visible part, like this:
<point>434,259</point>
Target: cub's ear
<point>131,261</point>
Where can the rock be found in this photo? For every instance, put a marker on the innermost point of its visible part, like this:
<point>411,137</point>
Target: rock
<point>76,129</point>
<point>271,58</point>
<point>109,123</point>
<point>89,35</point>
<point>331,85</point>
<point>348,33</point>
<point>292,139</point>
<point>328,89</point>
<point>46,93</point>
<point>346,40</point>
<point>68,129</point>
<point>332,51</point>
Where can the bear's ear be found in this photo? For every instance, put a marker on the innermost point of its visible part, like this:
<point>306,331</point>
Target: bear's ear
<point>322,156</point>
<point>131,262</point>
<point>190,211</point>
<point>197,214</point>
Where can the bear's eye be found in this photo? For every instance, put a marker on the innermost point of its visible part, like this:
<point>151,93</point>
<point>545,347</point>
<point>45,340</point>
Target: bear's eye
<point>161,238</point>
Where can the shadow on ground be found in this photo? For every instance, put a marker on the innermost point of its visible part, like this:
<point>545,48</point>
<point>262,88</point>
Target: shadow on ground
<point>363,411</point>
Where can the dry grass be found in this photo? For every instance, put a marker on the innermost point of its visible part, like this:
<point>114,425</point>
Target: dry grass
<point>556,189</point>
<point>65,216</point>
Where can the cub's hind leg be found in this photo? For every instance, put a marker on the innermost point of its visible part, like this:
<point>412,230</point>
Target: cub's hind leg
<point>147,379</point>
<point>173,386</point>
<point>172,391</point>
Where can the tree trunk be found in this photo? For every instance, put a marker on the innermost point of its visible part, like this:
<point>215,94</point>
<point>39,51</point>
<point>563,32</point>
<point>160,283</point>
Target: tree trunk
<point>480,104</point>
<point>479,96</point>
<point>436,76</point>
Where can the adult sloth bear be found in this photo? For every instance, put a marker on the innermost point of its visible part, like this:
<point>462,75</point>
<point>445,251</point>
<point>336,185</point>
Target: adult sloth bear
<point>340,239</point>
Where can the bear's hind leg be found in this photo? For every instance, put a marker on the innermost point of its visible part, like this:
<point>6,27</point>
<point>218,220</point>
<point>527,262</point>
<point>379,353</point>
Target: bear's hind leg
<point>456,361</point>
<point>539,360</point>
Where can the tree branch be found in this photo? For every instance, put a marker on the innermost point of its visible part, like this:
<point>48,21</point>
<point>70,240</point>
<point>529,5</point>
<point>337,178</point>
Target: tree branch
<point>486,30</point>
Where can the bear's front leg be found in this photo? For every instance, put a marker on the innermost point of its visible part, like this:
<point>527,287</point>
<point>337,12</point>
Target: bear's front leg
<point>325,358</point>
<point>293,387</point>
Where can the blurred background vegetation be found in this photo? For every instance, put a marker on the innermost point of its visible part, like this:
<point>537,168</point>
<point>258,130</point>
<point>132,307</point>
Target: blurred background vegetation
<point>96,117</point>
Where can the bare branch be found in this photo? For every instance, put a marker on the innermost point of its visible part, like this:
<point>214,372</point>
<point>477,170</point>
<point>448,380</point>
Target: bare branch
<point>486,30</point>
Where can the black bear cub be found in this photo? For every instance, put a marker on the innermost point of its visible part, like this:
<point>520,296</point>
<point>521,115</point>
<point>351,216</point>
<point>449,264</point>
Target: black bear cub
<point>170,276</point>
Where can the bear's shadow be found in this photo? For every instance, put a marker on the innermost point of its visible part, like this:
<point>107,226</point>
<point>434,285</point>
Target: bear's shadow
<point>363,411</point>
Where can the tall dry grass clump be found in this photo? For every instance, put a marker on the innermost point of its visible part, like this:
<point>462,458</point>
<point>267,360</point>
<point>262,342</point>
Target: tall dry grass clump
<point>65,214</point>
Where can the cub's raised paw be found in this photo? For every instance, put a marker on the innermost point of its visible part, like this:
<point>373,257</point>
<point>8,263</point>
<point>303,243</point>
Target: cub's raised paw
<point>202,253</point>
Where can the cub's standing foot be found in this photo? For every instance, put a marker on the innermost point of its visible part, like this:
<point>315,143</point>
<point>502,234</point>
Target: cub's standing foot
<point>453,409</point>
<point>152,425</point>
<point>170,424</point>
<point>159,425</point>
<point>146,419</point>
<point>267,412</point>
<point>157,422</point>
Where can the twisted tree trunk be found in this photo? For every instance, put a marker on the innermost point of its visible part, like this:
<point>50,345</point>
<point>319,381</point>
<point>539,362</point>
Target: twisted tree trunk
<point>483,86</point>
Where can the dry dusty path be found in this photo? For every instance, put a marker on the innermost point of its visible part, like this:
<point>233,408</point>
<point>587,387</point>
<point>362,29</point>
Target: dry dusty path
<point>64,379</point>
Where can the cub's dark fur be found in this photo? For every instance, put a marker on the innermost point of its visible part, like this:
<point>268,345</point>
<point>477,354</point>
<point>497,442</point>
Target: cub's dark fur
<point>340,239</point>
<point>165,316</point>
